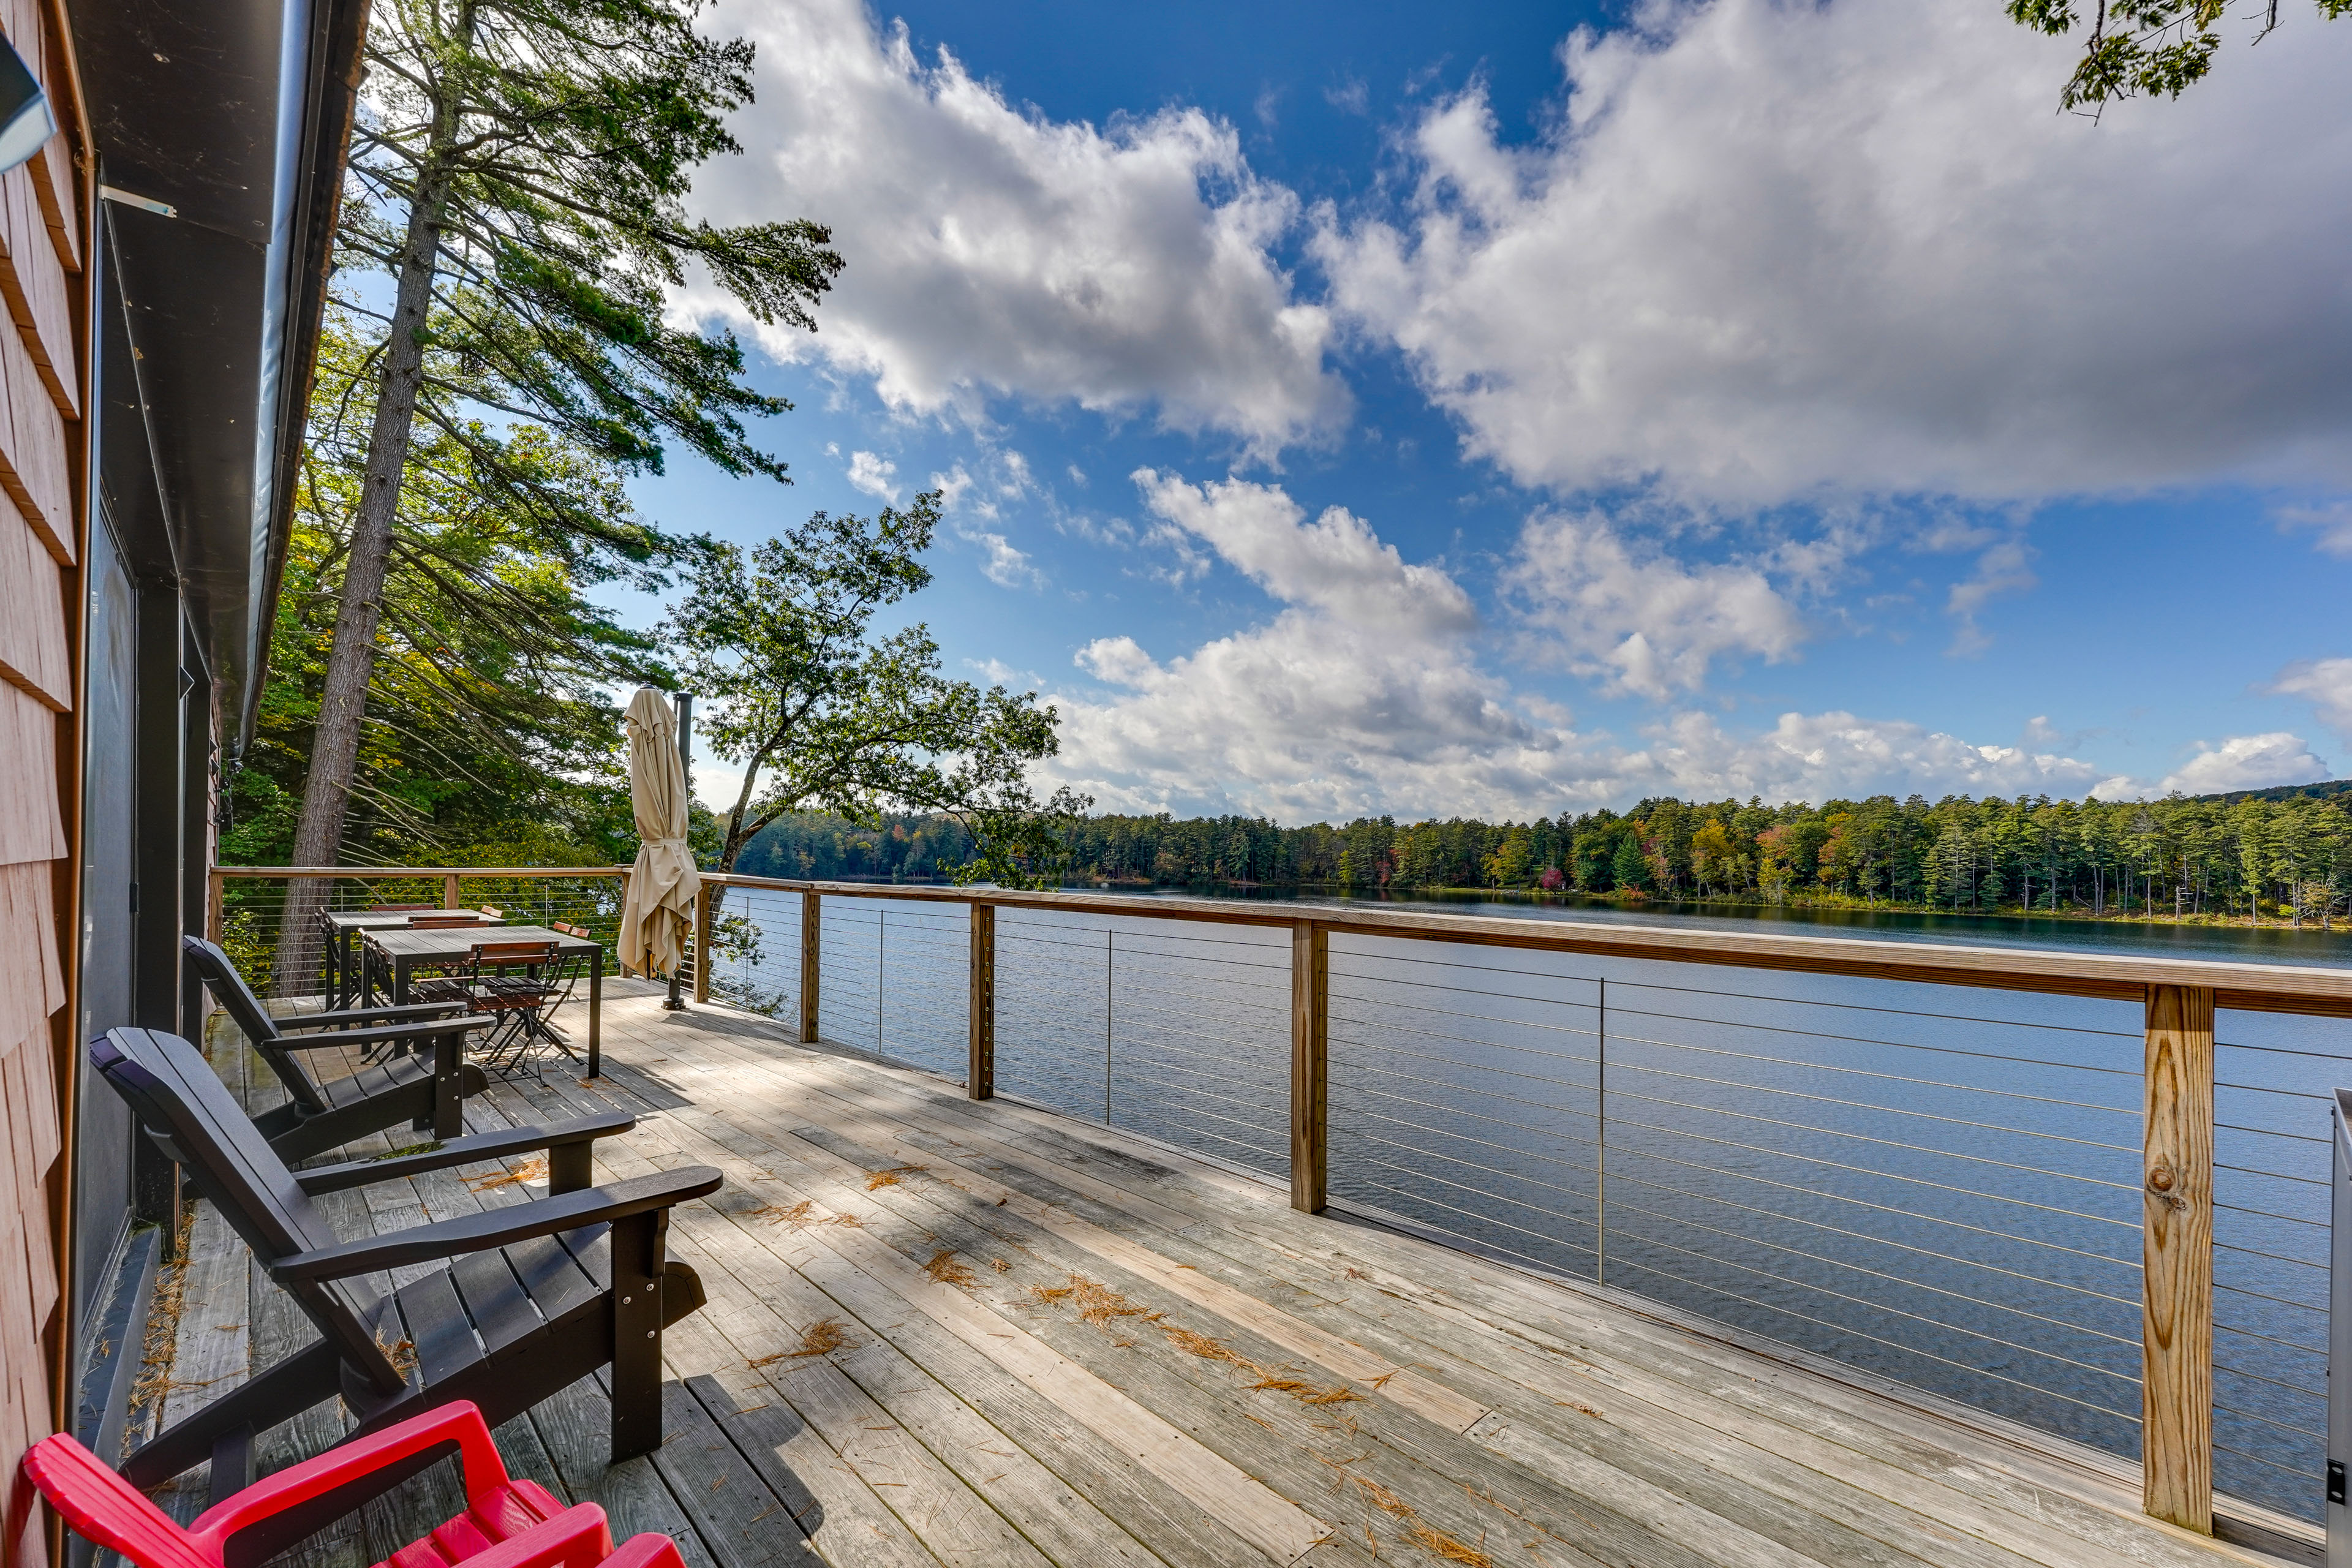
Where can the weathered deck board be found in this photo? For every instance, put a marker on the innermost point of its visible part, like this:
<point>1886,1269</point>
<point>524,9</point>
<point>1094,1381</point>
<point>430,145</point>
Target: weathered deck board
<point>1467,1407</point>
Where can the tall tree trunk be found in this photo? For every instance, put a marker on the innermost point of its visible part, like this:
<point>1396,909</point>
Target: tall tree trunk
<point>351,660</point>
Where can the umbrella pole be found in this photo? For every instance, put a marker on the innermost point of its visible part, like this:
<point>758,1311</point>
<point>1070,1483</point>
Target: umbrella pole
<point>674,1003</point>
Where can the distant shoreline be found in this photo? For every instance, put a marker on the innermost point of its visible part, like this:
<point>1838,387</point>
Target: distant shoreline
<point>1846,905</point>
<point>1832,902</point>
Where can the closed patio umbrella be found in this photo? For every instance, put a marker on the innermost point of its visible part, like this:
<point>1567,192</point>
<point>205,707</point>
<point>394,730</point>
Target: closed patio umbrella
<point>664,882</point>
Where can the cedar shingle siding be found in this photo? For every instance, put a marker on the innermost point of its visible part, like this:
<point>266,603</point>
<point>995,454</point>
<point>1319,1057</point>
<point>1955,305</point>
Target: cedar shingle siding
<point>42,385</point>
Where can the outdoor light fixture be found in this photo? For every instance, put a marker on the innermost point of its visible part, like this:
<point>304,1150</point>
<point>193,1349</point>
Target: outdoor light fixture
<point>26,122</point>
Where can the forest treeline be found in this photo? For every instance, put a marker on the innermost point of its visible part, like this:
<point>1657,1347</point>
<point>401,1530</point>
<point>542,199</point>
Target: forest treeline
<point>2205,857</point>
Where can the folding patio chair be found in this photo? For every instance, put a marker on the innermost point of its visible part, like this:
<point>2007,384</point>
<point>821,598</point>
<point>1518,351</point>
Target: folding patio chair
<point>427,1089</point>
<point>509,1521</point>
<point>520,983</point>
<point>428,982</point>
<point>540,1294</point>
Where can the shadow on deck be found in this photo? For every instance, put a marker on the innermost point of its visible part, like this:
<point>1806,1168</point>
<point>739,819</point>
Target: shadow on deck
<point>941,1333</point>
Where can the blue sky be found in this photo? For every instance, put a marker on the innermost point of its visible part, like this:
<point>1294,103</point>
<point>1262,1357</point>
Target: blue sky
<point>1518,410</point>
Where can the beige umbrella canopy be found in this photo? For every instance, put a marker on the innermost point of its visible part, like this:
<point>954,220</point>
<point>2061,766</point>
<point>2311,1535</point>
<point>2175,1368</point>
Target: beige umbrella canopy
<point>663,884</point>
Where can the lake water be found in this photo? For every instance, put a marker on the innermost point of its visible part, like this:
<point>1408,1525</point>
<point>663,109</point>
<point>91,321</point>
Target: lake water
<point>1936,1184</point>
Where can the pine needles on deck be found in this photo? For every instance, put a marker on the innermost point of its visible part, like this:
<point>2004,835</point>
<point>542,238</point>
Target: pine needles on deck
<point>821,1337</point>
<point>531,1170</point>
<point>945,1270</point>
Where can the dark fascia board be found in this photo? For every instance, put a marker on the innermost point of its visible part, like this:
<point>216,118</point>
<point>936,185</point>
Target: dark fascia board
<point>338,36</point>
<point>233,115</point>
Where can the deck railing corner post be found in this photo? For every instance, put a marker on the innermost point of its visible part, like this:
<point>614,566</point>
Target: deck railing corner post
<point>2176,1295</point>
<point>812,913</point>
<point>1310,1064</point>
<point>980,1071</point>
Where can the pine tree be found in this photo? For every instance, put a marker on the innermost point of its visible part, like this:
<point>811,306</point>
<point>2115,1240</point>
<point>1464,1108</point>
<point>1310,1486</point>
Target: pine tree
<point>516,192</point>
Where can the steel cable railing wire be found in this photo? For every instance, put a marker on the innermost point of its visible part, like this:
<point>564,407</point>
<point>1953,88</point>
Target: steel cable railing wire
<point>2130,1302</point>
<point>1488,1094</point>
<point>1869,1106</point>
<point>1760,1152</point>
<point>2227,1370</point>
<point>2031,1392</point>
<point>295,965</point>
<point>756,945</point>
<point>1779,1281</point>
<point>1182,1038</point>
<point>1755,1238</point>
<point>1911,1216</point>
<point>2272,1178</point>
<point>2132,1111</point>
<point>1339,1017</point>
<point>1584,1164</point>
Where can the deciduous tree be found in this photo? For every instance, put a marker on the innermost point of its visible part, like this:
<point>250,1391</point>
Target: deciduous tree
<point>823,712</point>
<point>2143,48</point>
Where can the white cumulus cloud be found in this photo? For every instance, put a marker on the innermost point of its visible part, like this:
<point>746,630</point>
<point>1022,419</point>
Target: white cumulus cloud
<point>1001,563</point>
<point>2332,522</point>
<point>2326,684</point>
<point>875,477</point>
<point>2005,568</point>
<point>991,251</point>
<point>1334,564</point>
<point>1363,693</point>
<point>1773,249</point>
<point>1639,621</point>
<point>2246,762</point>
<point>1816,756</point>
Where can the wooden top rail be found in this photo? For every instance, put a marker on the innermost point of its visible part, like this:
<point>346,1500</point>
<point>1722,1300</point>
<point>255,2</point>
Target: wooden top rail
<point>380,873</point>
<point>2311,991</point>
<point>2256,987</point>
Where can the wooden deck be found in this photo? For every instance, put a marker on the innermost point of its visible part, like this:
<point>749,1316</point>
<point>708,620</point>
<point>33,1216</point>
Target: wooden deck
<point>942,1332</point>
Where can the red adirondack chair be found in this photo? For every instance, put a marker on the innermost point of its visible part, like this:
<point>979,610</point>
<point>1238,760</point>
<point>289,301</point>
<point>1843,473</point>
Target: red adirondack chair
<point>508,1523</point>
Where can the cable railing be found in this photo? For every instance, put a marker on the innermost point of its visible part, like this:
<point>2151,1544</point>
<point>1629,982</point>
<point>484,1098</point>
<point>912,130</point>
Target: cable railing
<point>1180,1035</point>
<point>753,950</point>
<point>1945,1198</point>
<point>2272,1174</point>
<point>1951,1169</point>
<point>249,904</point>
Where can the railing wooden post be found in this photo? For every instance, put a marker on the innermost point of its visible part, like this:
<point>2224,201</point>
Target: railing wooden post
<point>810,913</point>
<point>1311,1065</point>
<point>702,944</point>
<point>214,886</point>
<point>980,1071</point>
<point>2176,1300</point>
<point>449,891</point>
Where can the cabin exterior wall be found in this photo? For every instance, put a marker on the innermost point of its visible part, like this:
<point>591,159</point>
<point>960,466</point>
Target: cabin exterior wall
<point>44,386</point>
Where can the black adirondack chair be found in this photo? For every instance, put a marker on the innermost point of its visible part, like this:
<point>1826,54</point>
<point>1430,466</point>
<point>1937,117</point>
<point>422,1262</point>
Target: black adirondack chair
<point>427,1091</point>
<point>538,1294</point>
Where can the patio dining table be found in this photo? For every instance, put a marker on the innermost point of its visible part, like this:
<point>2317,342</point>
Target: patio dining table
<point>403,951</point>
<point>351,989</point>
